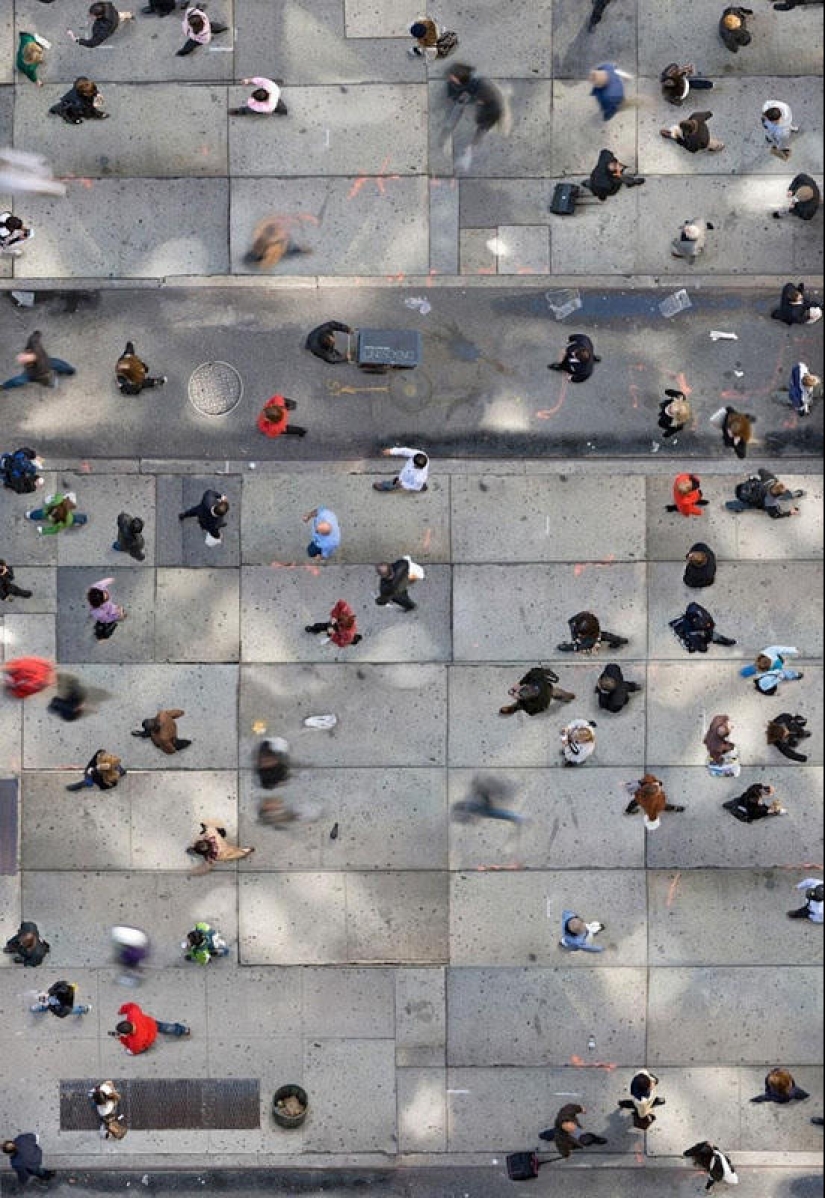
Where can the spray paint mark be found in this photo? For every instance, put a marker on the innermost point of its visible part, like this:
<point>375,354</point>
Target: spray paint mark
<point>580,567</point>
<point>671,890</point>
<point>579,1063</point>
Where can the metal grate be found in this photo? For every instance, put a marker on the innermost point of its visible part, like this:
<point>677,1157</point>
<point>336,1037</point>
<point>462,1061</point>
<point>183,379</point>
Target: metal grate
<point>8,826</point>
<point>167,1103</point>
<point>215,388</point>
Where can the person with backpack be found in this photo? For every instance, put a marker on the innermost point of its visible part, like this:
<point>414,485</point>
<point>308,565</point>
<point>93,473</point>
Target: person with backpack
<point>203,943</point>
<point>578,359</point>
<point>535,691</point>
<point>696,629</point>
<point>588,635</point>
<point>8,589</point>
<point>764,492</point>
<point>27,947</point>
<point>700,566</point>
<point>103,610</point>
<point>107,1104</point>
<point>769,669</point>
<point>19,470</point>
<point>717,1165</point>
<point>59,1000</point>
<point>395,579</point>
<point>58,513</point>
<point>430,41</point>
<point>103,771</point>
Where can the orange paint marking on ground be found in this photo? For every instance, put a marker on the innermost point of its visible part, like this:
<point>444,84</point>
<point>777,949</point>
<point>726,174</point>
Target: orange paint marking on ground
<point>316,570</point>
<point>580,1063</point>
<point>428,538</point>
<point>634,397</point>
<point>356,187</point>
<point>85,468</point>
<point>526,270</point>
<point>580,567</point>
<point>399,278</point>
<point>671,891</point>
<point>682,383</point>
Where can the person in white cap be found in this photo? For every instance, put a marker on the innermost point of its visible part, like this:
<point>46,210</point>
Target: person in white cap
<point>690,240</point>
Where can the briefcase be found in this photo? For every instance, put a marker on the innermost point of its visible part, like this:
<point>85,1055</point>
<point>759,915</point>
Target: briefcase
<point>521,1166</point>
<point>564,199</point>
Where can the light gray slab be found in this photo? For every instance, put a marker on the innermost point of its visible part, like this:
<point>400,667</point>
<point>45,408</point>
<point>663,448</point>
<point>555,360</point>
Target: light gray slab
<point>174,996</point>
<point>576,48</point>
<point>551,1013</point>
<point>684,698</point>
<point>9,44</point>
<point>523,249</point>
<point>21,542</point>
<point>520,145</point>
<point>361,1116</point>
<point>348,1003</point>
<point>133,638</point>
<point>444,226</point>
<point>476,251</point>
<point>387,715</point>
<point>579,130</point>
<point>787,1126</point>
<point>256,1001</point>
<point>103,497</point>
<point>523,53</point>
<point>10,904</point>
<point>374,527</point>
<point>11,735</point>
<point>479,736</point>
<point>182,597</point>
<point>165,819</point>
<point>22,1104</point>
<point>387,18</point>
<point>486,202</point>
<point>552,518</point>
<point>401,916</point>
<point>86,830</point>
<point>422,1109</point>
<point>304,596</point>
<point>292,918</point>
<point>276,1060</point>
<point>718,1005</point>
<point>479,936</point>
<point>614,224</point>
<point>696,1099</point>
<point>420,1015</point>
<point>29,635</point>
<point>208,695</point>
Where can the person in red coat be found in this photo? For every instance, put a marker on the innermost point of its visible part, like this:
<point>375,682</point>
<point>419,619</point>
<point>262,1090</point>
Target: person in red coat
<point>687,495</point>
<point>138,1031</point>
<point>27,675</point>
<point>341,627</point>
<point>273,419</point>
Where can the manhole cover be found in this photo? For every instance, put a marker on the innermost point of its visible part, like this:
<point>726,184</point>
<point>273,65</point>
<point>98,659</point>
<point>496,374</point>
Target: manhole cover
<point>215,388</point>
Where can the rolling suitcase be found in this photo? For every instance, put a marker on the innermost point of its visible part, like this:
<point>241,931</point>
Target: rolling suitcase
<point>522,1166</point>
<point>564,199</point>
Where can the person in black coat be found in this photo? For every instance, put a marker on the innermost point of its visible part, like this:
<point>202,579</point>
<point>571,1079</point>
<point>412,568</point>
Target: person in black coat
<point>130,537</point>
<point>614,690</point>
<point>596,15</point>
<point>781,1087</point>
<point>784,732</point>
<point>393,587</point>
<point>787,6</point>
<point>795,307</point>
<point>710,1158</point>
<point>78,103</point>
<point>732,27</point>
<point>587,634</point>
<point>804,198</point>
<point>693,133</point>
<point>696,629</point>
<point>674,413</point>
<point>26,1158</point>
<point>565,1132</point>
<point>700,566</point>
<point>160,8</point>
<point>578,359</point>
<point>749,807</point>
<point>26,946</point>
<point>8,588</point>
<point>209,513</point>
<point>535,691</point>
<point>321,342</point>
<point>106,19</point>
<point>608,175</point>
<point>20,470</point>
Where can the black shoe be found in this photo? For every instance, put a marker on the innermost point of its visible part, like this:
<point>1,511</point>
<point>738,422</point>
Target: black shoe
<point>658,1102</point>
<point>596,358</point>
<point>555,366</point>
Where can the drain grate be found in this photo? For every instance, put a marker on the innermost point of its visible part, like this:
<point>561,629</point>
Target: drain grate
<point>215,388</point>
<point>167,1103</point>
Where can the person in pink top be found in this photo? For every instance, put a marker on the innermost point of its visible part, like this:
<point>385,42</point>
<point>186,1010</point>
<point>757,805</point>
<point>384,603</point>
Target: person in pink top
<point>198,30</point>
<point>266,98</point>
<point>104,611</point>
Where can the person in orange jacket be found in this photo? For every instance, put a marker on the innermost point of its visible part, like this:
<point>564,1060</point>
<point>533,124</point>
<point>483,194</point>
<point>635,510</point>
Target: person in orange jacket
<point>25,676</point>
<point>687,496</point>
<point>273,419</point>
<point>341,628</point>
<point>138,1031</point>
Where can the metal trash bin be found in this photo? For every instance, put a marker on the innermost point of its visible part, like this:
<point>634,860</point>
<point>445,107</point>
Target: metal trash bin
<point>282,1119</point>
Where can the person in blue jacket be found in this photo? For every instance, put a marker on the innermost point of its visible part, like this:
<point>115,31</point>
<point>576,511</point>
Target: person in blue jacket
<point>607,88</point>
<point>576,934</point>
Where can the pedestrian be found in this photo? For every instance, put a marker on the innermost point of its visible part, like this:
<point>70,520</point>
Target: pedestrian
<point>106,19</point>
<point>578,741</point>
<point>466,87</point>
<point>103,771</point>
<point>212,848</point>
<point>26,676</point>
<point>733,27</point>
<point>198,30</point>
<point>70,700</point>
<point>784,732</point>
<point>340,629</point>
<point>687,496</point>
<point>535,692</point>
<point>273,419</point>
<point>26,946</point>
<point>576,934</point>
<point>12,234</point>
<point>82,102</point>
<point>203,943</point>
<point>588,635</point>
<point>802,387</point>
<point>20,470</point>
<point>690,241</point>
<point>107,1104</point>
<point>162,730</point>
<point>566,1132</point>
<point>413,474</point>
<point>430,41</point>
<point>675,413</point>
<point>777,121</point>
<point>717,1165</point>
<point>158,8</point>
<point>696,629</point>
<point>38,366</point>
<point>607,88</point>
<point>265,99</point>
<point>31,53</point>
<point>272,762</point>
<point>321,342</point>
<point>272,241</point>
<point>608,175</point>
<point>486,791</point>
<point>395,579</point>
<point>130,537</point>
<point>132,374</point>
<point>814,901</point>
<point>737,429</point>
<point>803,198</point>
<point>26,1158</point>
<point>209,513</point>
<point>60,1000</point>
<point>138,1031</point>
<point>131,948</point>
<point>795,307</point>
<point>614,690</point>
<point>693,134</point>
<point>8,589</point>
<point>780,1087</point>
<point>764,492</point>
<point>769,669</point>
<point>578,358</point>
<point>677,83</point>
<point>749,807</point>
<point>326,532</point>
<point>643,1098</point>
<point>596,14</point>
<point>700,566</point>
<point>723,756</point>
<point>648,795</point>
<point>103,610</point>
<point>59,512</point>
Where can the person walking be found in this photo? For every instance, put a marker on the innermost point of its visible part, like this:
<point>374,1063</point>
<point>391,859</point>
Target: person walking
<point>588,635</point>
<point>130,537</point>
<point>340,629</point>
<point>8,589</point>
<point>26,1158</point>
<point>608,88</point>
<point>106,20</point>
<point>13,234</point>
<point>485,793</point>
<point>132,375</point>
<point>814,901</point>
<point>749,807</point>
<point>777,121</point>
<point>103,610</point>
<point>733,27</point>
<point>576,935</point>
<point>158,8</point>
<point>212,847</point>
<point>60,1000</point>
<point>723,756</point>
<point>596,14</point>
<point>82,102</point>
<point>578,358</point>
<point>717,1165</point>
<point>795,307</point>
<point>27,676</point>
<point>578,741</point>
<point>535,692</point>
<point>326,532</point>
<point>678,82</point>
<point>395,579</point>
<point>20,470</point>
<point>643,1098</point>
<point>70,701</point>
<point>265,99</point>
<point>693,134</point>
<point>466,87</point>
<point>38,366</point>
<point>614,690</point>
<point>690,241</point>
<point>58,513</point>
<point>198,30</point>
<point>103,771</point>
<point>107,1102</point>
<point>687,496</point>
<point>700,566</point>
<point>784,732</point>
<point>802,388</point>
<point>803,197</point>
<point>27,947</point>
<point>780,1087</point>
<point>31,54</point>
<point>413,474</point>
<point>321,342</point>
<point>272,240</point>
<point>608,175</point>
<point>209,513</point>
<point>648,796</point>
<point>273,420</point>
<point>696,629</point>
<point>675,413</point>
<point>769,669</point>
<point>138,1031</point>
<point>764,492</point>
<point>204,943</point>
<point>737,429</point>
<point>162,730</point>
<point>566,1131</point>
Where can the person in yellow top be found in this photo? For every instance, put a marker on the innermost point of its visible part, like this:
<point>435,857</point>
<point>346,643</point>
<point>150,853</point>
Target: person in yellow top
<point>30,54</point>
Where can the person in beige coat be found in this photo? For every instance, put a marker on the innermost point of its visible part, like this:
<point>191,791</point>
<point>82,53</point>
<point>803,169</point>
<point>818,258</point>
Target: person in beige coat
<point>163,731</point>
<point>211,846</point>
<point>690,240</point>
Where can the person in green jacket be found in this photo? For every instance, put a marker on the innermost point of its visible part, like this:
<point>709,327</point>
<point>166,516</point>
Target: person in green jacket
<point>203,943</point>
<point>57,513</point>
<point>30,54</point>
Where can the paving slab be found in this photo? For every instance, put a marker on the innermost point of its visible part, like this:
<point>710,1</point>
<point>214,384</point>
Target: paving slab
<point>696,1098</point>
<point>165,819</point>
<point>213,594</point>
<point>443,214</point>
<point>7,41</point>
<point>520,145</point>
<point>401,916</point>
<point>523,53</point>
<point>22,1104</point>
<point>83,831</point>
<point>348,1003</point>
<point>523,250</point>
<point>614,224</point>
<point>133,639</point>
<point>42,581</point>
<point>29,635</point>
<point>576,50</point>
<point>10,906</point>
<point>486,202</point>
<point>273,1059</point>
<point>422,1109</point>
<point>579,130</point>
<point>11,734</point>
<point>292,918</point>
<point>264,1001</point>
<point>420,1016</point>
<point>783,1125</point>
<point>476,251</point>
<point>361,1115</point>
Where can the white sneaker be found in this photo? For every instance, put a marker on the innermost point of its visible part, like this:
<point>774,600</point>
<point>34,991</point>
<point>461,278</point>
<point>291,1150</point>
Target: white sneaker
<point>324,722</point>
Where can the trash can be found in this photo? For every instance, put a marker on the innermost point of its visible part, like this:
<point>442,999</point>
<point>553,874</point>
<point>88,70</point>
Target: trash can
<point>285,1118</point>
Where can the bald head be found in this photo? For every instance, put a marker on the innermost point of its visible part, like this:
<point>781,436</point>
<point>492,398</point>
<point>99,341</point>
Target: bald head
<point>323,527</point>
<point>599,78</point>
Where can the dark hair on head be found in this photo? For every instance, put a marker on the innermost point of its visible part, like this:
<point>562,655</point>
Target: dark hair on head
<point>420,460</point>
<point>261,94</point>
<point>418,29</point>
<point>583,353</point>
<point>584,624</point>
<point>96,597</point>
<point>689,126</point>
<point>14,222</point>
<point>125,1028</point>
<point>84,86</point>
<point>221,507</point>
<point>772,114</point>
<point>795,295</point>
<point>776,733</point>
<point>136,525</point>
<point>274,413</point>
<point>461,72</point>
<point>197,23</point>
<point>606,683</point>
<point>195,937</point>
<point>202,848</point>
<point>97,9</point>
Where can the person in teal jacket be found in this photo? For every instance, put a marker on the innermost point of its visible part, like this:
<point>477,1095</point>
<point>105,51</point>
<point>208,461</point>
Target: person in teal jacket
<point>57,513</point>
<point>30,54</point>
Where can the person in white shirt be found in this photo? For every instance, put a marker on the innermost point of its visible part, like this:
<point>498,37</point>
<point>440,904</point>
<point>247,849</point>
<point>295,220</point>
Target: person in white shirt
<point>413,474</point>
<point>814,900</point>
<point>777,121</point>
<point>769,669</point>
<point>265,99</point>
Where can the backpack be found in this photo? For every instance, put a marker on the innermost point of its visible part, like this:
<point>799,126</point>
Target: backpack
<point>447,42</point>
<point>19,475</point>
<point>752,491</point>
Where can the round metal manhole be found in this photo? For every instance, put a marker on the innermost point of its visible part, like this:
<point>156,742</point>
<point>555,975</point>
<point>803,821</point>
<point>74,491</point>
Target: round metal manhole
<point>215,388</point>
<point>410,389</point>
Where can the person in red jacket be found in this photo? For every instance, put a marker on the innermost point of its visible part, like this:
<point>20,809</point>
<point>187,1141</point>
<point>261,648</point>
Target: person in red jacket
<point>138,1031</point>
<point>340,628</point>
<point>273,419</point>
<point>687,496</point>
<point>26,676</point>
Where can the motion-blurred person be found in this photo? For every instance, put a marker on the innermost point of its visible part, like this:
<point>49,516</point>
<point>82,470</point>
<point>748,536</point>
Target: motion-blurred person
<point>272,241</point>
<point>466,87</point>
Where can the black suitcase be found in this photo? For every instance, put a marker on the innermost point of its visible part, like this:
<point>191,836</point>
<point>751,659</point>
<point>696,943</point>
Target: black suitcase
<point>521,1166</point>
<point>564,199</point>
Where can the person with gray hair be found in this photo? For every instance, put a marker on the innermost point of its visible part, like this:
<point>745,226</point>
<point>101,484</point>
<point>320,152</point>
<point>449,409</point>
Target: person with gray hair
<point>690,240</point>
<point>803,198</point>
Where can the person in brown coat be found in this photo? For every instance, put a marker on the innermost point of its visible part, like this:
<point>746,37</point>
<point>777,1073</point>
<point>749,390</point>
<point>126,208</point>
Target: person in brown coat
<point>716,739</point>
<point>648,796</point>
<point>163,731</point>
<point>132,374</point>
<point>211,847</point>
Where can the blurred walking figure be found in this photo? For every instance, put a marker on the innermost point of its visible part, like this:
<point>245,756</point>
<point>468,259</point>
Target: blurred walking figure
<point>103,771</point>
<point>576,934</point>
<point>162,730</point>
<point>340,629</point>
<point>203,943</point>
<point>777,121</point>
<point>648,796</point>
<point>795,307</point>
<point>466,87</point>
<point>802,388</point>
<point>265,99</point>
<point>212,847</point>
<point>675,413</point>
<point>59,1000</point>
<point>209,513</point>
<point>718,1166</point>
<point>596,15</point>
<point>38,366</point>
<point>803,198</point>
<point>693,134</point>
<point>643,1099</point>
<point>535,692</point>
<point>13,233</point>
<point>607,89</point>
<point>486,792</point>
<point>8,589</point>
<point>59,512</point>
<point>608,175</point>
<point>31,53</point>
<point>70,699</point>
<point>158,8</point>
<point>678,82</point>
<point>700,566</point>
<point>132,374</point>
<point>749,807</point>
<point>814,901</point>
<point>198,30</point>
<point>106,19</point>
<point>395,579</point>
<point>103,610</point>
<point>82,102</point>
<point>732,27</point>
<point>272,241</point>
<point>566,1132</point>
<point>690,241</point>
<point>578,359</point>
<point>272,762</point>
<point>26,946</point>
<point>587,635</point>
<point>578,741</point>
<point>687,496</point>
<point>413,475</point>
<point>131,949</point>
<point>614,690</point>
<point>130,537</point>
<point>784,732</point>
<point>780,1087</point>
<point>769,669</point>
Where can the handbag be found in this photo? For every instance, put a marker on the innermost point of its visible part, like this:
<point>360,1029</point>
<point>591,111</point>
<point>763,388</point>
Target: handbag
<point>415,573</point>
<point>114,1127</point>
